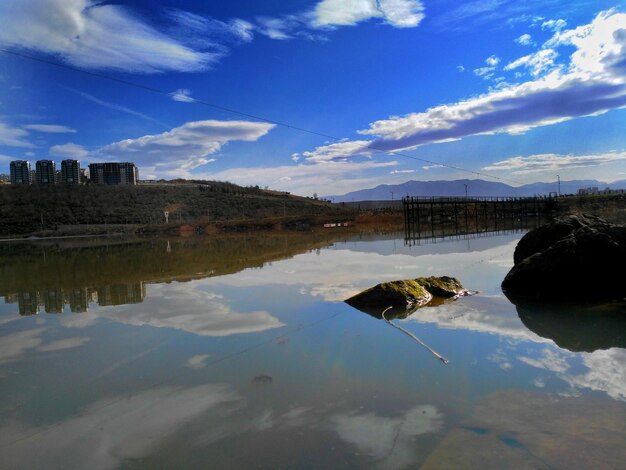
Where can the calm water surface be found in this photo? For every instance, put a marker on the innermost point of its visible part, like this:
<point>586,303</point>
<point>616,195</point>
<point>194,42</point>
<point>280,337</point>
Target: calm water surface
<point>238,352</point>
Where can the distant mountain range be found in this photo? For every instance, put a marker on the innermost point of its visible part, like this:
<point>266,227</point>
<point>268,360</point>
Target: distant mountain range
<point>475,188</point>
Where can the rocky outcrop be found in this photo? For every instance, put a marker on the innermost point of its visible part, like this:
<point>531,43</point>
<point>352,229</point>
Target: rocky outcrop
<point>405,296</point>
<point>575,258</point>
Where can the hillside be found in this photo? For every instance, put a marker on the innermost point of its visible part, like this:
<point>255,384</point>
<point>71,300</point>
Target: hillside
<point>475,187</point>
<point>28,209</point>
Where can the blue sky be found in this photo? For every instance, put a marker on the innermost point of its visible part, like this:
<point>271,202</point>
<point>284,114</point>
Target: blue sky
<point>389,90</point>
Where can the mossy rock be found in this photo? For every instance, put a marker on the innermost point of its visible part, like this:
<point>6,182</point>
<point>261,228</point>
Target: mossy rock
<point>443,286</point>
<point>402,296</point>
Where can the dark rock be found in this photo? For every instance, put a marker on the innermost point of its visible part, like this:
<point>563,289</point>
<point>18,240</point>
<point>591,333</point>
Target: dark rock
<point>542,238</point>
<point>574,258</point>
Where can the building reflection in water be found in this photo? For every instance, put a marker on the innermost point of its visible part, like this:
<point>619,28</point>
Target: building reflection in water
<point>78,298</point>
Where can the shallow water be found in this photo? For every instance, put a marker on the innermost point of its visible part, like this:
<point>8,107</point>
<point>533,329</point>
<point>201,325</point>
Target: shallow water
<point>239,352</point>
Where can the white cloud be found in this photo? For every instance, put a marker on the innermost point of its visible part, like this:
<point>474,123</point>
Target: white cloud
<point>401,172</point>
<point>492,61</point>
<point>550,162</point>
<point>460,68</point>
<point>197,29</point>
<point>338,151</point>
<point>94,35</point>
<point>13,136</point>
<point>183,148</point>
<point>398,13</point>
<point>49,128</point>
<point>277,28</point>
<point>485,72</point>
<point>243,29</point>
<point>592,84</point>
<point>322,178</point>
<point>554,25</point>
<point>183,95</point>
<point>525,40</point>
<point>538,62</point>
<point>295,157</point>
<point>69,150</point>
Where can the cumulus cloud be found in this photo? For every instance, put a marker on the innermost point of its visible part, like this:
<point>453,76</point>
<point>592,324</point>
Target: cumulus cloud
<point>50,128</point>
<point>553,162</point>
<point>492,61</point>
<point>69,150</point>
<point>398,13</point>
<point>338,151</point>
<point>94,35</point>
<point>185,147</point>
<point>593,83</point>
<point>538,63</point>
<point>554,25</point>
<point>525,40</point>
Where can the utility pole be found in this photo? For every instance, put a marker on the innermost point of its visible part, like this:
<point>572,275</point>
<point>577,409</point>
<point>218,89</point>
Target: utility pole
<point>558,178</point>
<point>465,190</point>
<point>391,195</point>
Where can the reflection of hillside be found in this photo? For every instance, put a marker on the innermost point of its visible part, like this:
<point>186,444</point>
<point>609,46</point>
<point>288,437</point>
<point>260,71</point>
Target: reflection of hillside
<point>50,275</point>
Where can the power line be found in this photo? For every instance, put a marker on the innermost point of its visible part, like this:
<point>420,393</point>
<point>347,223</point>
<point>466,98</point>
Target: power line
<point>248,115</point>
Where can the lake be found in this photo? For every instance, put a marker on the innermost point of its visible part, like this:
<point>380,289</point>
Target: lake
<point>239,352</point>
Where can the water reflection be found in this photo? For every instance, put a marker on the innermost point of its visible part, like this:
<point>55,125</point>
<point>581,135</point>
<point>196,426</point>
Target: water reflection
<point>577,327</point>
<point>48,276</point>
<point>242,353</point>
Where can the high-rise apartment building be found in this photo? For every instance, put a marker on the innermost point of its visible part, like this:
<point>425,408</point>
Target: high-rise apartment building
<point>45,172</point>
<point>113,173</point>
<point>20,172</point>
<point>70,172</point>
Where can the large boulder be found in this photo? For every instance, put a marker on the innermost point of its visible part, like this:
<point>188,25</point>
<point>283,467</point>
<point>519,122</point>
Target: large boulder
<point>574,258</point>
<point>405,296</point>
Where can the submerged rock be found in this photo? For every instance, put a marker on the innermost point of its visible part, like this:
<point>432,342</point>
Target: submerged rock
<point>405,296</point>
<point>571,259</point>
